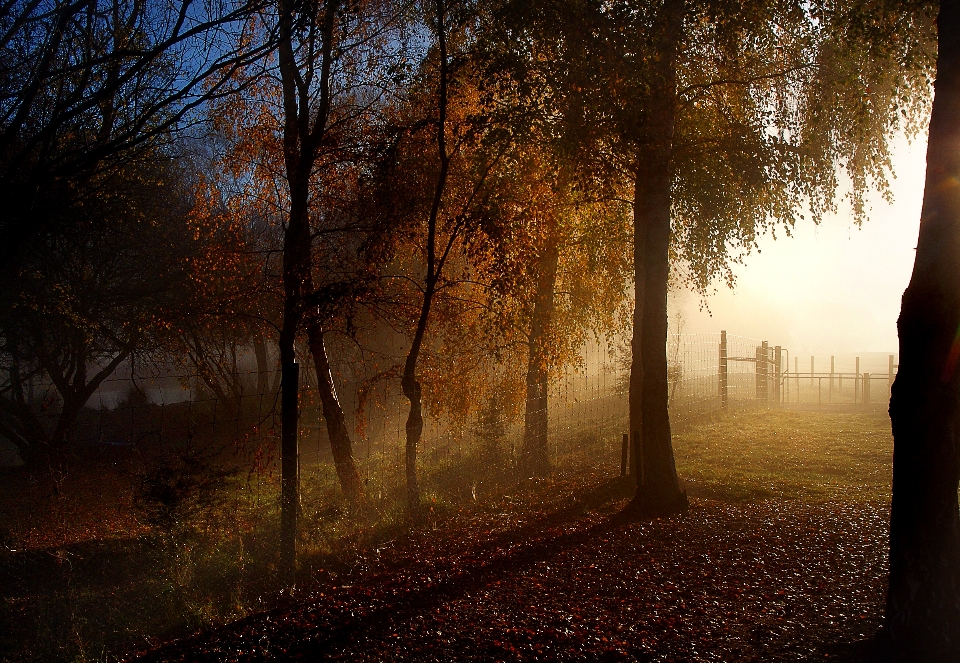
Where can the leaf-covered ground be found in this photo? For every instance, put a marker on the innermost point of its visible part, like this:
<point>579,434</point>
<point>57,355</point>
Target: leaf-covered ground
<point>773,580</point>
<point>781,501</point>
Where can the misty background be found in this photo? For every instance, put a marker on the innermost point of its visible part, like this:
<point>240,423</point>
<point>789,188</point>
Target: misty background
<point>831,289</point>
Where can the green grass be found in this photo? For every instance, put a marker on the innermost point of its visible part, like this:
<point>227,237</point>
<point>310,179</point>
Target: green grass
<point>125,584</point>
<point>813,456</point>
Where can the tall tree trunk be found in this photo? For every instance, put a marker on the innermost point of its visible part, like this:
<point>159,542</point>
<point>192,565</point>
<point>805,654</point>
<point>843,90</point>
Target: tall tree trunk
<point>296,284</point>
<point>412,390</point>
<point>640,196</point>
<point>409,382</point>
<point>658,490</point>
<point>340,444</point>
<point>289,468</point>
<point>534,455</point>
<point>922,621</point>
<point>304,125</point>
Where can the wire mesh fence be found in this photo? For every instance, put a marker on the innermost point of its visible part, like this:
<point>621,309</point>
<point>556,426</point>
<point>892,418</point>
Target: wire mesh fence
<point>839,382</point>
<point>587,408</point>
<point>181,471</point>
<point>166,424</point>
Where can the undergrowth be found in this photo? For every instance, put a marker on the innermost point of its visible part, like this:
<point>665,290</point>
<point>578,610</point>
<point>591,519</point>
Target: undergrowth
<point>119,575</point>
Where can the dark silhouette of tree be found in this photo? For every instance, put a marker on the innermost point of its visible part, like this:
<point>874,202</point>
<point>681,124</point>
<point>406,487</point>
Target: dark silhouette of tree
<point>922,621</point>
<point>85,84</point>
<point>334,59</point>
<point>433,194</point>
<point>93,100</point>
<point>86,298</point>
<point>721,122</point>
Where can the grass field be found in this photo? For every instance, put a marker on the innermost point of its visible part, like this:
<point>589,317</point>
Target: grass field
<point>811,456</point>
<point>87,595</point>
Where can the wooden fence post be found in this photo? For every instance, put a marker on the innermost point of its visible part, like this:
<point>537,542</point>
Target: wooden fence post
<point>767,366</point>
<point>776,374</point>
<point>760,370</point>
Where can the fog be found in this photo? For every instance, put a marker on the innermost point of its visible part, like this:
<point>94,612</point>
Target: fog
<point>829,289</point>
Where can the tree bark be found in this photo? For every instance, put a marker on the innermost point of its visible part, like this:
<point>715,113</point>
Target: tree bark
<point>304,126</point>
<point>296,283</point>
<point>409,382</point>
<point>410,386</point>
<point>640,196</point>
<point>535,458</point>
<point>922,621</point>
<point>340,444</point>
<point>658,490</point>
<point>289,469</point>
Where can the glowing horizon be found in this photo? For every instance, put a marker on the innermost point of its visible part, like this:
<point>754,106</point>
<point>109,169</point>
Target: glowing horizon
<point>832,289</point>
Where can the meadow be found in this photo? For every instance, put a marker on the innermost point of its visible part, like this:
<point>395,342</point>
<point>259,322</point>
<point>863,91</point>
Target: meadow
<point>90,575</point>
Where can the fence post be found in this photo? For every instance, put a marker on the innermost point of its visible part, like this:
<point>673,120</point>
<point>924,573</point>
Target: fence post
<point>831,378</point>
<point>889,375</point>
<point>767,366</point>
<point>776,374</point>
<point>866,388</point>
<point>760,369</point>
<point>856,382</point>
<point>723,369</point>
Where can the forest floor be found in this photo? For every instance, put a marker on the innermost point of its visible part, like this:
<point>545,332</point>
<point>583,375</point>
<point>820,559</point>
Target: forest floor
<point>781,558</point>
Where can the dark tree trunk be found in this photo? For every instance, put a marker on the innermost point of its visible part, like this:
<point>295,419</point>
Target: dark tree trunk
<point>658,490</point>
<point>414,429</point>
<point>304,125</point>
<point>340,444</point>
<point>296,273</point>
<point>640,195</point>
<point>289,468</point>
<point>75,388</point>
<point>923,601</point>
<point>412,390</point>
<point>296,283</point>
<point>409,382</point>
<point>535,458</point>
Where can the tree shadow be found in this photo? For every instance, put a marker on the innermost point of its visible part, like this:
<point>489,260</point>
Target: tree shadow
<point>857,651</point>
<point>476,575</point>
<point>315,630</point>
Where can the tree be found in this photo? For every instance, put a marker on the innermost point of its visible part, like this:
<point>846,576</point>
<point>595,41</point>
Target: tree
<point>922,620</point>
<point>332,59</point>
<point>84,84</point>
<point>724,119</point>
<point>92,95</point>
<point>556,269</point>
<point>444,152</point>
<point>84,301</point>
<point>229,307</point>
